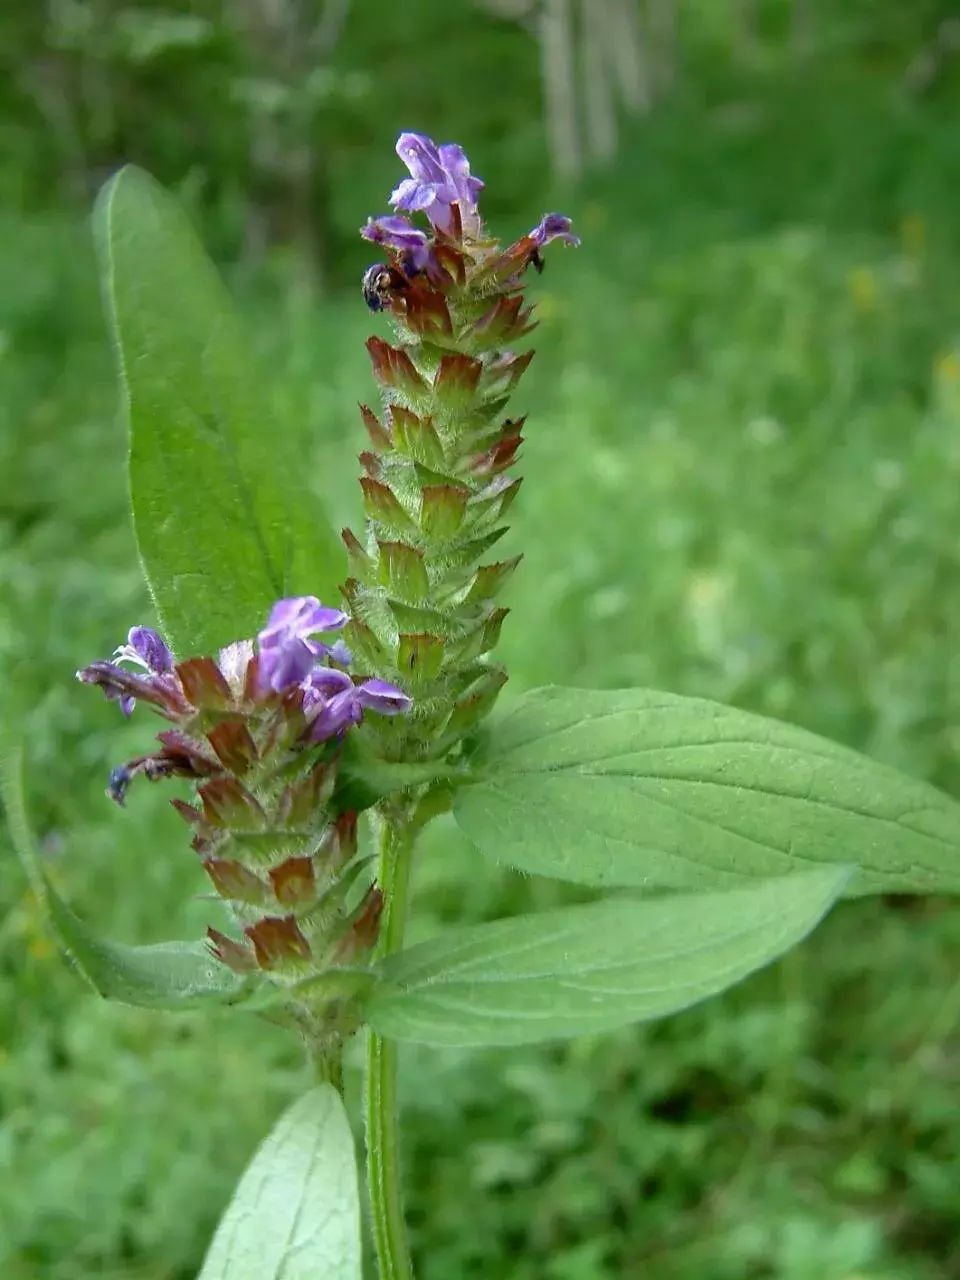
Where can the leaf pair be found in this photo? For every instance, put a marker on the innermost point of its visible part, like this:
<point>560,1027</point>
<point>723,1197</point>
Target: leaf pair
<point>768,824</point>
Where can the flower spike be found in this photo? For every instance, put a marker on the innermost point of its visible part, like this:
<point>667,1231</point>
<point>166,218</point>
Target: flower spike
<point>421,596</point>
<point>259,732</point>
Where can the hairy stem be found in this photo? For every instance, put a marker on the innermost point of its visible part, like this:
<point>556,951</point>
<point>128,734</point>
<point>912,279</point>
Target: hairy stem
<point>383,1142</point>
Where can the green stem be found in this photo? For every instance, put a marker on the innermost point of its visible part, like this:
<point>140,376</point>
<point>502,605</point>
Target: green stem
<point>383,1142</point>
<point>328,1065</point>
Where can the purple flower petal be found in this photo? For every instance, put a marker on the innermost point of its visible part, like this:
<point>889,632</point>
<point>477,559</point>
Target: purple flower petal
<point>339,653</point>
<point>466,188</point>
<point>377,695</point>
<point>151,647</point>
<point>303,615</point>
<point>125,687</point>
<point>413,248</point>
<point>395,231</point>
<point>336,715</point>
<point>553,226</point>
<point>286,664</point>
<point>413,195</point>
<point>422,157</point>
<point>324,683</point>
<point>287,655</point>
<point>146,648</point>
<point>440,178</point>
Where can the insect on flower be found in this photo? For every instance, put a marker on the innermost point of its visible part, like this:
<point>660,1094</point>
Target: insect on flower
<point>382,284</point>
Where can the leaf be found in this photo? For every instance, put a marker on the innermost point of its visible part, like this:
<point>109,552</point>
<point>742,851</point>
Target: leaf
<point>295,1214</point>
<point>169,975</point>
<point>637,787</point>
<point>592,968</point>
<point>224,515</point>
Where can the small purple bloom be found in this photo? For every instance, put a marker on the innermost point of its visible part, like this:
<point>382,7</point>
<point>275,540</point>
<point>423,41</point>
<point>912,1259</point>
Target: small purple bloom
<point>338,703</point>
<point>334,716</point>
<point>324,683</point>
<point>553,226</point>
<point>412,246</point>
<point>154,679</point>
<point>440,177</point>
<point>377,695</point>
<point>394,230</point>
<point>287,653</point>
<point>145,648</point>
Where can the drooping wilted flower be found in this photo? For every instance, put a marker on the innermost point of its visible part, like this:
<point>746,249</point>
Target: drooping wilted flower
<point>258,729</point>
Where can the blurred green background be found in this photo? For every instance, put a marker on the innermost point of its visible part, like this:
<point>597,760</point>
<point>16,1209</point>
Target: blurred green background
<point>741,481</point>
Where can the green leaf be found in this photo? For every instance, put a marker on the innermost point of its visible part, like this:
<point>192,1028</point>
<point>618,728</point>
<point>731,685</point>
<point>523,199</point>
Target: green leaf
<point>295,1214</point>
<point>637,787</point>
<point>224,514</point>
<point>593,968</point>
<point>169,975</point>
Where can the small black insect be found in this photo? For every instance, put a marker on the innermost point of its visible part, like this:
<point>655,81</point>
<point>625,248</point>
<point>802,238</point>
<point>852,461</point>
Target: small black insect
<point>536,261</point>
<point>382,284</point>
<point>117,784</point>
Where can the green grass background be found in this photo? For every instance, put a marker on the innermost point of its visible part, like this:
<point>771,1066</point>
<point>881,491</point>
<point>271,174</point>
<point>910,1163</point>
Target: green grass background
<point>742,481</point>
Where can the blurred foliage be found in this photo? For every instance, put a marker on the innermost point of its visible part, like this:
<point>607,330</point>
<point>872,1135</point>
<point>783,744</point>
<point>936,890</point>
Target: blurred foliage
<point>742,471</point>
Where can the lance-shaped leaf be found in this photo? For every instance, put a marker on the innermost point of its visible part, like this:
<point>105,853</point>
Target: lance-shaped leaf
<point>169,975</point>
<point>637,787</point>
<point>295,1214</point>
<point>225,518</point>
<point>587,969</point>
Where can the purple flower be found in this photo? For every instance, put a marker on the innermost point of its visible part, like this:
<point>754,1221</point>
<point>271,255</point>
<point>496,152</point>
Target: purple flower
<point>394,230</point>
<point>146,650</point>
<point>440,178</point>
<point>387,699</point>
<point>553,226</point>
<point>335,702</point>
<point>324,683</point>
<point>287,653</point>
<point>412,246</point>
<point>332,716</point>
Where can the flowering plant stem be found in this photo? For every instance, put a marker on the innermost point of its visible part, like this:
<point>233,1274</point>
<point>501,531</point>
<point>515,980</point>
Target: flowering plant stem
<point>383,1142</point>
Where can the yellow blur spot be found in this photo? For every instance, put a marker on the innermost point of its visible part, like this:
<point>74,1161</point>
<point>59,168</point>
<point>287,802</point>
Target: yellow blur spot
<point>549,307</point>
<point>594,217</point>
<point>913,235</point>
<point>862,286</point>
<point>40,947</point>
<point>947,366</point>
<point>706,590</point>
